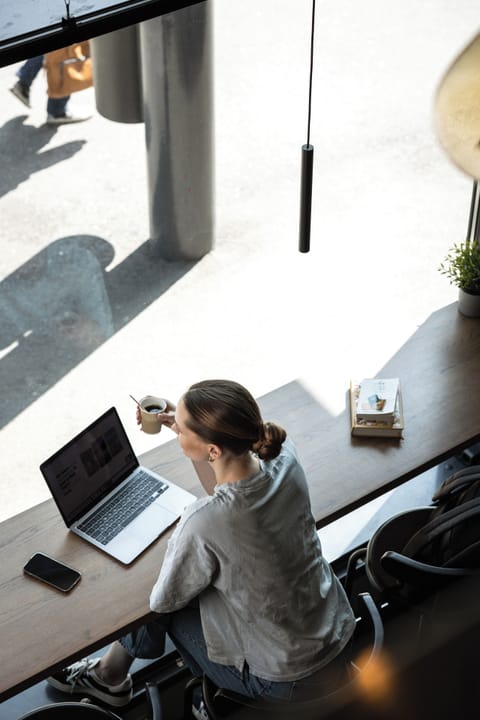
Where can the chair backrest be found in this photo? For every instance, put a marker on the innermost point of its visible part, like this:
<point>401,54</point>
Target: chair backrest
<point>451,538</point>
<point>70,711</point>
<point>393,534</point>
<point>391,565</point>
<point>417,579</point>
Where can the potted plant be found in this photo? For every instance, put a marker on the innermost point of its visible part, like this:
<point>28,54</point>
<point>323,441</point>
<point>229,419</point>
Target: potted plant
<point>462,267</point>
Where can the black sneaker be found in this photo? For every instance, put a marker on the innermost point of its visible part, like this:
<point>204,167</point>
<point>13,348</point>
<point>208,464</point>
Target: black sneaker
<point>81,679</point>
<point>21,92</point>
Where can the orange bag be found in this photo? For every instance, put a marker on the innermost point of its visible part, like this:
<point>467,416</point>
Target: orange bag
<point>69,70</point>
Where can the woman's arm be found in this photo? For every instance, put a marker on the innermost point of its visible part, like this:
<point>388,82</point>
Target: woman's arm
<point>203,469</point>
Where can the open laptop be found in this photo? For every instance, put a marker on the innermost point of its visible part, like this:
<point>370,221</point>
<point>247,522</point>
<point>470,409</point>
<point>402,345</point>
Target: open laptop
<point>106,496</point>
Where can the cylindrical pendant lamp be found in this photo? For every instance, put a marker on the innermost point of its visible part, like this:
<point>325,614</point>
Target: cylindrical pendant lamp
<point>307,164</point>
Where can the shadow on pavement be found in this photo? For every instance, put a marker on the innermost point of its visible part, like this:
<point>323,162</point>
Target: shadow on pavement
<point>22,155</point>
<point>63,304</point>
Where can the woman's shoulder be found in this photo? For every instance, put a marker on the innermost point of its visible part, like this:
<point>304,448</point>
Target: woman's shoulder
<point>287,467</point>
<point>199,514</point>
<point>198,506</point>
<point>206,523</point>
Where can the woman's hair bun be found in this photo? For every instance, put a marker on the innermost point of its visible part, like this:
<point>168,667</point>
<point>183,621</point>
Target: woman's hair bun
<point>271,441</point>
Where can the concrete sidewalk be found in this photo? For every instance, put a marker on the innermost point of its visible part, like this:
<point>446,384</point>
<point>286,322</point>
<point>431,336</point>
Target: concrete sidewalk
<point>90,314</point>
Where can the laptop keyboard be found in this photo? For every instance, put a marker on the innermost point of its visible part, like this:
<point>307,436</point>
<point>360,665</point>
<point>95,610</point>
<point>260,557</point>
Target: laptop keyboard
<point>123,507</point>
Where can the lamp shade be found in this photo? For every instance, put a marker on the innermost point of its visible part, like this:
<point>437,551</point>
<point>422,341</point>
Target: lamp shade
<point>457,110</point>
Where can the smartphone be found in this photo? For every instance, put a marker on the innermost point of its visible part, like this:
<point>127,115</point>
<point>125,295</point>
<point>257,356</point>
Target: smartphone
<point>51,571</point>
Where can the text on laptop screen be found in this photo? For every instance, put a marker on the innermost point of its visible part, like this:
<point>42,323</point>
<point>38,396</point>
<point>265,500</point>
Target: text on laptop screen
<point>89,466</point>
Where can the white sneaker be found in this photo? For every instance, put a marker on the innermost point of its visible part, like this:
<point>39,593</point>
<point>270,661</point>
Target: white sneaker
<point>200,712</point>
<point>67,118</point>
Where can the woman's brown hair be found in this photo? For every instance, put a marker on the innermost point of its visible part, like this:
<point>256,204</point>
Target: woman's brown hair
<point>223,412</point>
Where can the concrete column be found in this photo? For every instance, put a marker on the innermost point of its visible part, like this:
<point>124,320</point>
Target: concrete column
<point>176,61</point>
<point>117,75</point>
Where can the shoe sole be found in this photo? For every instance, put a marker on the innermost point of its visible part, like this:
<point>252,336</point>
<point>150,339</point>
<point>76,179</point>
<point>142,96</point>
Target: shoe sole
<point>20,97</point>
<point>67,121</point>
<point>91,692</point>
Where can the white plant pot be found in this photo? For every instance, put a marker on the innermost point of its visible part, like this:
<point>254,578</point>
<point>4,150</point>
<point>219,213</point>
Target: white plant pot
<point>468,304</point>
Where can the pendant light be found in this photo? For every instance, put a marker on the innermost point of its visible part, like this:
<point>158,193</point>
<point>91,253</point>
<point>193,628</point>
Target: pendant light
<point>307,165</point>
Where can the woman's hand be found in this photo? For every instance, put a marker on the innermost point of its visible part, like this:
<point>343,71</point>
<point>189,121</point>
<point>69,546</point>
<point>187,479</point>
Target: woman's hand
<point>166,418</point>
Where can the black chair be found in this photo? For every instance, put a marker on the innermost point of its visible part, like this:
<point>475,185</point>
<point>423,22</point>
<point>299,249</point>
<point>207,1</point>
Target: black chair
<point>154,701</point>
<point>70,711</point>
<point>393,576</point>
<point>364,651</point>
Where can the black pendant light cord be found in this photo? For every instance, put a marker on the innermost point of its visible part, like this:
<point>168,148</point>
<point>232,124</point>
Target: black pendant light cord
<point>307,164</point>
<point>311,74</point>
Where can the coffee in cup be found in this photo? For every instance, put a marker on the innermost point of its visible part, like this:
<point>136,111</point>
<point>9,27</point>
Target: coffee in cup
<point>150,406</point>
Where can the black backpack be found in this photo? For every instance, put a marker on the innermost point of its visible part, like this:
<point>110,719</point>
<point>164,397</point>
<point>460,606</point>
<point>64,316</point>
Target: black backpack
<point>451,537</point>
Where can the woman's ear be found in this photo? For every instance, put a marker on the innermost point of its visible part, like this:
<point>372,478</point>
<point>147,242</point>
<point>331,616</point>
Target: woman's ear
<point>214,452</point>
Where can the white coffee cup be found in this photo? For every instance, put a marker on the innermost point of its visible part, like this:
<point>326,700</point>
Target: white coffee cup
<point>150,406</point>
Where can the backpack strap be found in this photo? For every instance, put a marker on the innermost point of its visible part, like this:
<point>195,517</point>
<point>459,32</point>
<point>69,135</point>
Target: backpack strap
<point>439,525</point>
<point>458,480</point>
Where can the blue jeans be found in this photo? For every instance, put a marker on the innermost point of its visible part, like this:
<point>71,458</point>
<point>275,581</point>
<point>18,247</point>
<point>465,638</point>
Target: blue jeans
<point>185,630</point>
<point>27,74</point>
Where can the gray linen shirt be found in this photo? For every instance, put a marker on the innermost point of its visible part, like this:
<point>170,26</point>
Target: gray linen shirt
<point>252,556</point>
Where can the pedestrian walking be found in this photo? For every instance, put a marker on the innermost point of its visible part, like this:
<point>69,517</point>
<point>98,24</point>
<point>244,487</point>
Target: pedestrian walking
<point>58,112</point>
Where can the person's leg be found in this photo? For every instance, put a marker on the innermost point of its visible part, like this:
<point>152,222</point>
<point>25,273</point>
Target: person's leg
<point>114,666</point>
<point>107,678</point>
<point>26,75</point>
<point>57,107</point>
<point>29,70</point>
<point>185,630</point>
<point>59,114</point>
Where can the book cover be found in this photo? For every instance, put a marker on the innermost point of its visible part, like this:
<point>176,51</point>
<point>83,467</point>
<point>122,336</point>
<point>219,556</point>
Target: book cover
<point>374,428</point>
<point>377,399</point>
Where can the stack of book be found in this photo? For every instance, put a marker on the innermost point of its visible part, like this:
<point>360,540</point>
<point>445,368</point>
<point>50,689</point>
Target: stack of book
<point>376,407</point>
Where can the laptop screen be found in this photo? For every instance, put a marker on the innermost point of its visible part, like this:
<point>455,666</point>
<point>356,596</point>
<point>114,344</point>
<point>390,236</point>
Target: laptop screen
<point>88,467</point>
